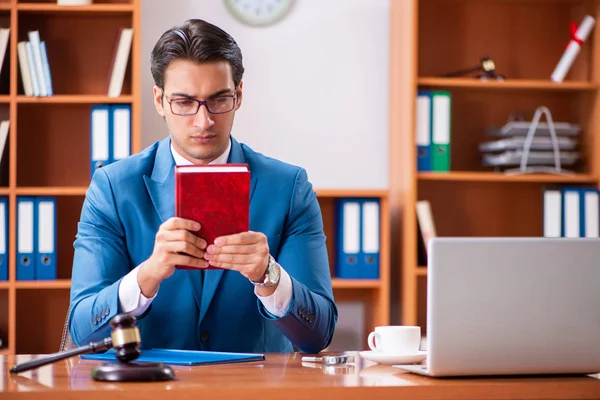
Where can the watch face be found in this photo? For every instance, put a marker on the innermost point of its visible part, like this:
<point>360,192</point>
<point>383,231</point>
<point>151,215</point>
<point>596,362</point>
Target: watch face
<point>259,12</point>
<point>274,272</point>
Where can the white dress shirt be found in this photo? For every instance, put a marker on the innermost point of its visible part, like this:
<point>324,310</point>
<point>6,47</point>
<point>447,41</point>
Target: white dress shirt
<point>135,303</point>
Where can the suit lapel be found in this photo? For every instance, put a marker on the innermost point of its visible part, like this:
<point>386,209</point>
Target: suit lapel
<point>213,277</point>
<point>161,188</point>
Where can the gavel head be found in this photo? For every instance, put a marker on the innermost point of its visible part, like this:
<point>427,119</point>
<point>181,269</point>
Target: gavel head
<point>488,66</point>
<point>125,337</point>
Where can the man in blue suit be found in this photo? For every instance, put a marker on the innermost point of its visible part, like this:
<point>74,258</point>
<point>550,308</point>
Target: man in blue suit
<point>273,289</point>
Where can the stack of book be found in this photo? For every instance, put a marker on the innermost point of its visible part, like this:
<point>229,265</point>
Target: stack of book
<point>34,66</point>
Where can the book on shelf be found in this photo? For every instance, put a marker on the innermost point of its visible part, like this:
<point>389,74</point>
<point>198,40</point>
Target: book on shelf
<point>4,36</point>
<point>36,238</point>
<point>119,62</point>
<point>426,227</point>
<point>110,134</point>
<point>433,130</point>
<point>217,196</point>
<point>571,211</point>
<point>4,150</point>
<point>34,66</point>
<point>357,222</point>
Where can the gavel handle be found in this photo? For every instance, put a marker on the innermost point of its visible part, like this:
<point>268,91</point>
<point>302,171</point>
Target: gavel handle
<point>93,347</point>
<point>462,72</point>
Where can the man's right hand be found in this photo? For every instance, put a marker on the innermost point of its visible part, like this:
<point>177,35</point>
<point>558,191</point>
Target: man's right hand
<point>175,244</point>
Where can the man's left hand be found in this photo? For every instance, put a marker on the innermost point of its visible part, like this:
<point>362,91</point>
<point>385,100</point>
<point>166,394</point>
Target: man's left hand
<point>246,252</point>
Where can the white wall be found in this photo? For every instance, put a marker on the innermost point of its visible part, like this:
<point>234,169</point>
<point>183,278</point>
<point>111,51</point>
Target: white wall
<point>315,87</point>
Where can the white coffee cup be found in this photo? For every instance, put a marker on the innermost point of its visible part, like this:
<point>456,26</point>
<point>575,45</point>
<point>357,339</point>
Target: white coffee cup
<point>395,339</point>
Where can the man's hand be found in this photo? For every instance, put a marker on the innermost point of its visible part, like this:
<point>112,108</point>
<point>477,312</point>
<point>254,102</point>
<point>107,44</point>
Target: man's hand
<point>175,244</point>
<point>246,252</point>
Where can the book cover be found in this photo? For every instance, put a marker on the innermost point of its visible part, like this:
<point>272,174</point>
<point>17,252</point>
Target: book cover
<point>216,195</point>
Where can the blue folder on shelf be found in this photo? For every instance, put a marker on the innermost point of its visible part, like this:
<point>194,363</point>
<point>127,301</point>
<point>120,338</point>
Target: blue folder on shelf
<point>182,357</point>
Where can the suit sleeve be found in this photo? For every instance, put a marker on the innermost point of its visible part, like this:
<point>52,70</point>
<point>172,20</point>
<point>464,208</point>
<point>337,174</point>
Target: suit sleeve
<point>310,320</point>
<point>99,263</point>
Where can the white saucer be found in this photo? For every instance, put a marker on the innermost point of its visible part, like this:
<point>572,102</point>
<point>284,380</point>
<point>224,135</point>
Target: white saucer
<point>393,359</point>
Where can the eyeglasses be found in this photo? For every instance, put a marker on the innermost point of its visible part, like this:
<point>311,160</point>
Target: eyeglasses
<point>215,105</point>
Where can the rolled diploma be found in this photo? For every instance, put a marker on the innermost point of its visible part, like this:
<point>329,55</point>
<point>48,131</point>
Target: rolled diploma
<point>572,49</point>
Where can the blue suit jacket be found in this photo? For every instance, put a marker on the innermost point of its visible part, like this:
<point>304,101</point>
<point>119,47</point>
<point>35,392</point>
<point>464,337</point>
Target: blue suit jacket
<point>215,310</point>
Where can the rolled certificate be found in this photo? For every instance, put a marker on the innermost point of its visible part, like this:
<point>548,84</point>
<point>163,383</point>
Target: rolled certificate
<point>570,53</point>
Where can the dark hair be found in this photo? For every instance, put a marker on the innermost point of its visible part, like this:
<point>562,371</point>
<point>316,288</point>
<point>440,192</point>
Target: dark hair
<point>199,41</point>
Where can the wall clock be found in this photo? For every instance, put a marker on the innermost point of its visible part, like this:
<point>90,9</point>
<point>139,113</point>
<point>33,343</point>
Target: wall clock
<point>259,12</point>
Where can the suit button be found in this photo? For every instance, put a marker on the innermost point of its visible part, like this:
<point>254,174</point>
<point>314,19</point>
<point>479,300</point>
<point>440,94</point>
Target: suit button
<point>204,336</point>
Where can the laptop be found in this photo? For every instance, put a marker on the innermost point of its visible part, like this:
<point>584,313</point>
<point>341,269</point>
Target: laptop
<point>512,306</point>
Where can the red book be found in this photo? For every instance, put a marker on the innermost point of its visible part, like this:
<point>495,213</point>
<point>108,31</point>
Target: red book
<point>215,195</point>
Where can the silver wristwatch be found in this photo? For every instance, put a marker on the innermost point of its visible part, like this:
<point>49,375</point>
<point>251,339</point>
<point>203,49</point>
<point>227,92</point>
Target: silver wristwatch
<point>272,274</point>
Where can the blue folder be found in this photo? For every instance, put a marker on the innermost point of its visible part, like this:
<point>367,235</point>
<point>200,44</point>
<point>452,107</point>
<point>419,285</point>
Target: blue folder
<point>181,357</point>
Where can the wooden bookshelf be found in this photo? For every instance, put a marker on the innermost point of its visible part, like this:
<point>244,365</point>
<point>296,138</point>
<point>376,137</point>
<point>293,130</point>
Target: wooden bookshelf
<point>49,144</point>
<point>373,293</point>
<point>432,37</point>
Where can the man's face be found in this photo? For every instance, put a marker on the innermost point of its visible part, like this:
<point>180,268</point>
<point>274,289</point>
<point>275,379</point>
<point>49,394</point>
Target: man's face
<point>203,136</point>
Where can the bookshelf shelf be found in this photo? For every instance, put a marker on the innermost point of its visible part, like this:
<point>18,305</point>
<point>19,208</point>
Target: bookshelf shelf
<point>500,177</point>
<point>521,84</point>
<point>4,99</point>
<point>73,99</point>
<point>91,9</point>
<point>57,284</point>
<point>421,271</point>
<point>4,285</point>
<point>356,283</point>
<point>51,191</point>
<point>340,193</point>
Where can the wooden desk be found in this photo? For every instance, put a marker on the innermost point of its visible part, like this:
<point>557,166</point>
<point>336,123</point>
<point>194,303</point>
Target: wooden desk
<point>283,376</point>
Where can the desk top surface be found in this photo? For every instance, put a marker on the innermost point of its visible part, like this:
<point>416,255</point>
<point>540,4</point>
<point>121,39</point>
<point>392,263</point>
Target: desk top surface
<point>283,376</point>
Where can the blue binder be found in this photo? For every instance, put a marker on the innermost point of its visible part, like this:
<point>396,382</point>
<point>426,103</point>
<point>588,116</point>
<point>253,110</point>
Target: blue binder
<point>181,357</point>
<point>26,238</point>
<point>589,219</point>
<point>423,122</point>
<point>348,261</point>
<point>120,132</point>
<point>570,212</point>
<point>45,264</point>
<point>370,238</point>
<point>100,136</point>
<point>3,239</point>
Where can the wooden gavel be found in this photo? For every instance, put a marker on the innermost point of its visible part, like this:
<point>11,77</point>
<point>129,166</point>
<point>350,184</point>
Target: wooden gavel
<point>486,66</point>
<point>124,339</point>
